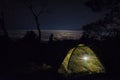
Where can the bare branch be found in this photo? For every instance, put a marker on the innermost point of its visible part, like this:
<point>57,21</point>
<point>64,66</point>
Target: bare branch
<point>42,9</point>
<point>30,6</point>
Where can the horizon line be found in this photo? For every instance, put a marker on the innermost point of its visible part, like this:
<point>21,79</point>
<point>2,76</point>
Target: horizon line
<point>48,29</point>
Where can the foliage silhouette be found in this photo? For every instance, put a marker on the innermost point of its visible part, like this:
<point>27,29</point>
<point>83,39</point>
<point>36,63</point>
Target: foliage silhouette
<point>109,25</point>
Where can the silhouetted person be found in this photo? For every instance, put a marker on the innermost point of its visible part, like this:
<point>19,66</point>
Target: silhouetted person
<point>51,38</point>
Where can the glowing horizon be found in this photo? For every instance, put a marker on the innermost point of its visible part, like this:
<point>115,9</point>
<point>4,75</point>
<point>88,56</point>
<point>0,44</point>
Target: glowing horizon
<point>58,34</point>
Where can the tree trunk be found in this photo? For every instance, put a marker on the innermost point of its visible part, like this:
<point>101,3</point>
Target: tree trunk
<point>38,27</point>
<point>3,25</point>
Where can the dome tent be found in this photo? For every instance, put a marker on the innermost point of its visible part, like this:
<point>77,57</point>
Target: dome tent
<point>81,60</point>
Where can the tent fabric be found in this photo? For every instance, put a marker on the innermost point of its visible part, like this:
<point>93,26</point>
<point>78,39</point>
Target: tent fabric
<point>81,59</point>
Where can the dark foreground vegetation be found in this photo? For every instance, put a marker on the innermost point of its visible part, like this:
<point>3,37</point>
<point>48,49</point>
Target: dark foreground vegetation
<point>29,59</point>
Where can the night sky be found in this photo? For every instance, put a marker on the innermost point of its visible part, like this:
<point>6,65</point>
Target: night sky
<point>61,14</point>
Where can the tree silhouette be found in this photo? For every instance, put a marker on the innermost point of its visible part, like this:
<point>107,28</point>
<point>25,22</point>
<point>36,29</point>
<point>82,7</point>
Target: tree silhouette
<point>36,14</point>
<point>100,5</point>
<point>94,30</point>
<point>2,23</point>
<point>109,25</point>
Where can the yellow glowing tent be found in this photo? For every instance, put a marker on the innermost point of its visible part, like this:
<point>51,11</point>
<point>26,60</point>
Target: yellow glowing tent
<point>82,60</point>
